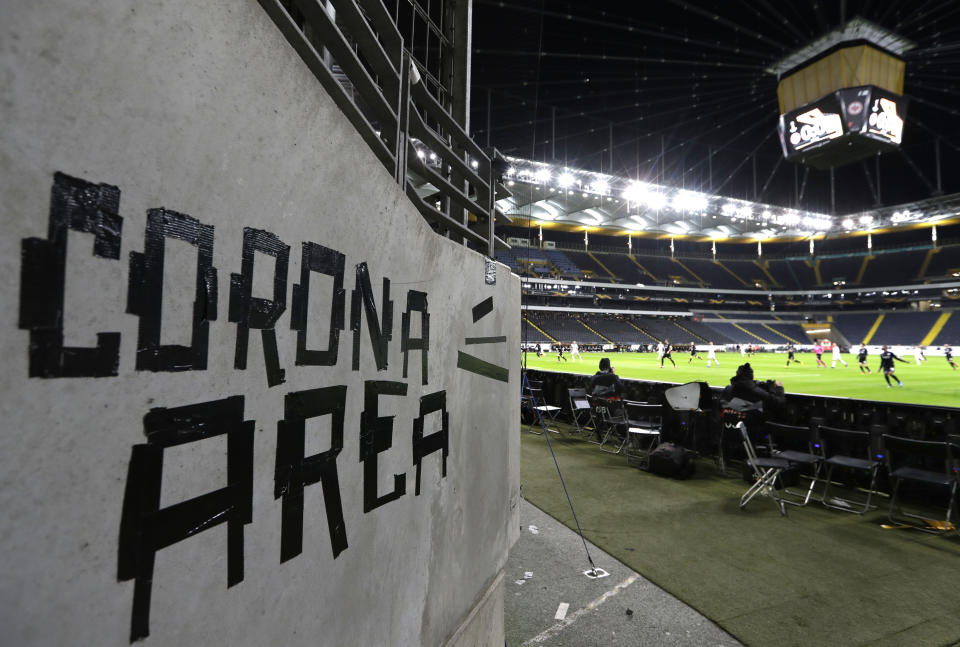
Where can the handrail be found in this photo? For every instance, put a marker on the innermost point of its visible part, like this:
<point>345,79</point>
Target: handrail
<point>394,104</point>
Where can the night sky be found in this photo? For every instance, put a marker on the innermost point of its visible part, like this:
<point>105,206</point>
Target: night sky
<point>677,79</point>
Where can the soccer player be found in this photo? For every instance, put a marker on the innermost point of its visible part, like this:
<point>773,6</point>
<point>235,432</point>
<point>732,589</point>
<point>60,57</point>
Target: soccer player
<point>818,351</point>
<point>862,359</point>
<point>660,351</point>
<point>667,353</point>
<point>743,350</point>
<point>790,355</point>
<point>694,354</point>
<point>836,356</point>
<point>948,353</point>
<point>918,355</point>
<point>560,353</point>
<point>886,365</point>
<point>712,355</point>
<point>575,351</point>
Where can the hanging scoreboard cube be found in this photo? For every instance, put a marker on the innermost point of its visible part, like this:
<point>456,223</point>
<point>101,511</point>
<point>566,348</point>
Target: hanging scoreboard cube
<point>841,98</point>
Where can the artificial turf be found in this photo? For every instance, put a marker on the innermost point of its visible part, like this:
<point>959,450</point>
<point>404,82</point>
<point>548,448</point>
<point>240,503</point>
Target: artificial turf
<point>932,382</point>
<point>815,577</point>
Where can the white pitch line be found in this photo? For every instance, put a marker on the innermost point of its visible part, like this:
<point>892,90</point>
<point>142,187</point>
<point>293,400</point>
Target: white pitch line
<point>554,629</point>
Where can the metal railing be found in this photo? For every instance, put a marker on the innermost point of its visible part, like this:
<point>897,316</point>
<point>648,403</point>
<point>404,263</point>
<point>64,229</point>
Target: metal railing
<point>353,47</point>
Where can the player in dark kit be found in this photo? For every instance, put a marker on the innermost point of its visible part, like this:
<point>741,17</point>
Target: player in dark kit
<point>667,353</point>
<point>886,365</point>
<point>862,359</point>
<point>790,357</point>
<point>694,354</point>
<point>560,353</point>
<point>948,353</point>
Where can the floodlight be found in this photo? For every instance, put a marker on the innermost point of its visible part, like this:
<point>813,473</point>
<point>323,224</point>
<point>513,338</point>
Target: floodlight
<point>634,192</point>
<point>848,223</point>
<point>421,154</point>
<point>601,187</point>
<point>542,176</point>
<point>565,180</point>
<point>728,209</point>
<point>655,200</point>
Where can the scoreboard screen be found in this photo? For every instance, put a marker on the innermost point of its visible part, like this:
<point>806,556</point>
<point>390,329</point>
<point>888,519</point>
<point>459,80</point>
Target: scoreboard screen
<point>843,127</point>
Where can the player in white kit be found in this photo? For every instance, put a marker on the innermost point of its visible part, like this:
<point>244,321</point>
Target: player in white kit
<point>659,351</point>
<point>712,355</point>
<point>575,351</point>
<point>836,356</point>
<point>918,355</point>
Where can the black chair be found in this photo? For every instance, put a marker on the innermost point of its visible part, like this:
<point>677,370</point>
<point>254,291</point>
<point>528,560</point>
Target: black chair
<point>849,450</point>
<point>532,397</point>
<point>644,423</point>
<point>612,427</point>
<point>903,456</point>
<point>580,411</point>
<point>800,447</point>
<point>767,473</point>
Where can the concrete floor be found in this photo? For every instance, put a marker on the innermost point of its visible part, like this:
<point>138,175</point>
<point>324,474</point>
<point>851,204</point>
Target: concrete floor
<point>545,569</point>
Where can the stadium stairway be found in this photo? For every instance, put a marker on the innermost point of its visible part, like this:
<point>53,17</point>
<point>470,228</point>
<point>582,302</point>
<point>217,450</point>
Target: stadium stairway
<point>863,268</point>
<point>645,270</point>
<point>934,331</point>
<point>538,329</point>
<point>873,329</point>
<point>765,268</point>
<point>926,262</point>
<point>777,332</point>
<point>643,331</point>
<point>690,272</point>
<point>690,332</point>
<point>733,274</point>
<point>603,337</point>
<point>605,268</point>
<point>950,333</point>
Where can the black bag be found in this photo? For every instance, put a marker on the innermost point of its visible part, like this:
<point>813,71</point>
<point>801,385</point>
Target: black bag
<point>672,461</point>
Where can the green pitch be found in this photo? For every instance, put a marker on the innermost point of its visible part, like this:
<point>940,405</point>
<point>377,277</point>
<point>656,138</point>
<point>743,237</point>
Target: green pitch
<point>932,382</point>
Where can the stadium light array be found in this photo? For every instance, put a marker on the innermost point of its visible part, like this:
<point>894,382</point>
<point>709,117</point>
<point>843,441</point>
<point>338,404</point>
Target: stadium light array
<point>780,221</point>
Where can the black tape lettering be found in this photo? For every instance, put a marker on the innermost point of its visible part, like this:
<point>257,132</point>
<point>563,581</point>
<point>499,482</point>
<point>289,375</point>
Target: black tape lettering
<point>322,260</point>
<point>416,301</point>
<point>380,332</point>
<point>437,441</point>
<point>145,528</point>
<point>376,437</point>
<point>482,309</point>
<point>249,312</point>
<point>85,207</point>
<point>294,470</point>
<point>145,296</point>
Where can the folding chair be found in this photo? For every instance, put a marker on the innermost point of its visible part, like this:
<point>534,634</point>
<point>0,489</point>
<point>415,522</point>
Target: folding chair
<point>580,411</point>
<point>732,412</point>
<point>644,422</point>
<point>766,471</point>
<point>534,398</point>
<point>798,445</point>
<point>850,450</point>
<point>612,424</point>
<point>901,455</point>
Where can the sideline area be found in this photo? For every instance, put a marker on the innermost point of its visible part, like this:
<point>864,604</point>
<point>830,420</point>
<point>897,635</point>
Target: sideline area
<point>545,571</point>
<point>816,577</point>
<point>931,383</point>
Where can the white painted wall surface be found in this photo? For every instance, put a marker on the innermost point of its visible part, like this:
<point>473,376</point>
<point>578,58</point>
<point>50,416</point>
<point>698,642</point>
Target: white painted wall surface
<point>203,108</point>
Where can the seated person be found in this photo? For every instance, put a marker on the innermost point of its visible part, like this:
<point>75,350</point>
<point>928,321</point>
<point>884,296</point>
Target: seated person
<point>605,383</point>
<point>743,386</point>
<point>758,396</point>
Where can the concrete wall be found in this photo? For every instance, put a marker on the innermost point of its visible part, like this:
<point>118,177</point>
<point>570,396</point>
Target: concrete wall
<point>203,109</point>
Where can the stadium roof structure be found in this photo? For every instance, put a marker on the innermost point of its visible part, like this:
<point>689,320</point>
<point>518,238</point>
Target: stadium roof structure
<point>578,198</point>
<point>683,93</point>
